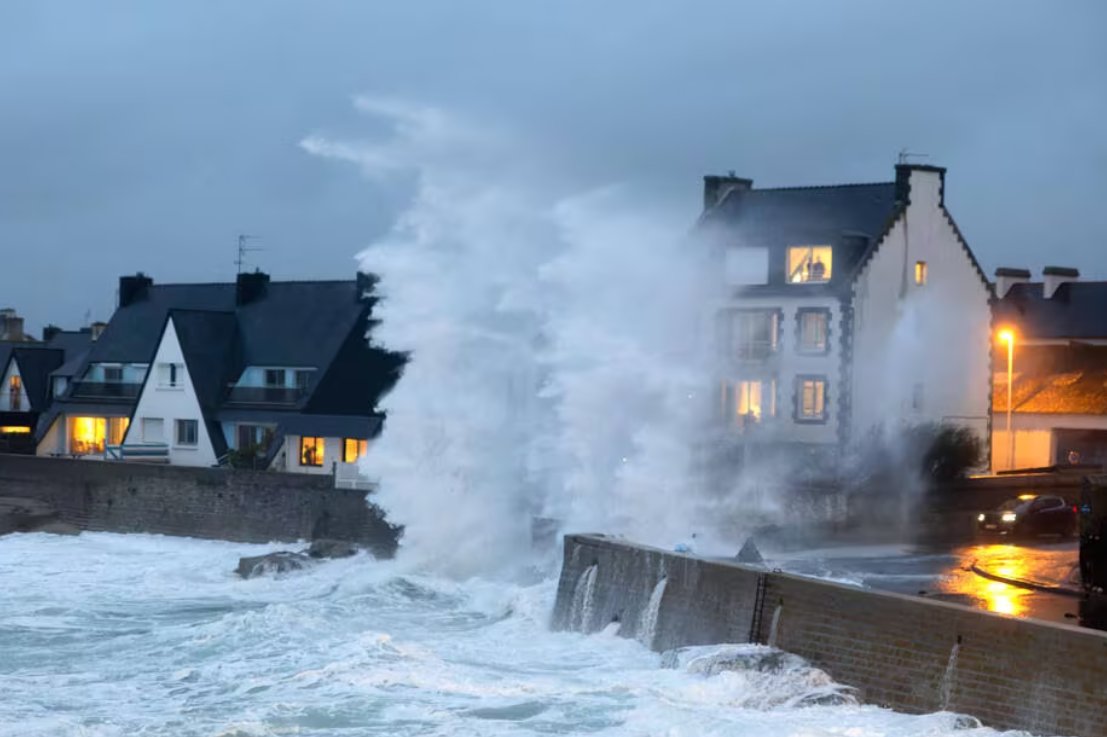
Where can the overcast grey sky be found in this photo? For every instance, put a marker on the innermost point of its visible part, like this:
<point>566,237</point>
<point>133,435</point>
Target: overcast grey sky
<point>146,136</point>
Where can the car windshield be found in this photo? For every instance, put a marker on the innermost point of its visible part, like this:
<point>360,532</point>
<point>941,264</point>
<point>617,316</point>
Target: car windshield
<point>1011,505</point>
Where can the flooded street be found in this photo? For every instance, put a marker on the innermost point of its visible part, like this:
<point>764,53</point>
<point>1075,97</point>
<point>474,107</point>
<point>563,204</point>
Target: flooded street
<point>945,573</point>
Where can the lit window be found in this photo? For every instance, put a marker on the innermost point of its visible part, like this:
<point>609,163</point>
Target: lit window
<point>187,432</point>
<point>15,393</point>
<point>311,451</point>
<point>117,429</point>
<point>746,402</point>
<point>813,327</point>
<point>353,448</point>
<point>920,272</point>
<point>87,435</point>
<point>809,264</point>
<point>810,398</point>
<point>14,430</point>
<point>749,334</point>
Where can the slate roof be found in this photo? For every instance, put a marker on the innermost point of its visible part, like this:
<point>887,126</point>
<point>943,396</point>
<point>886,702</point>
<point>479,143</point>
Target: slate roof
<point>1077,310</point>
<point>1055,380</point>
<point>849,217</point>
<point>39,361</point>
<point>278,329</point>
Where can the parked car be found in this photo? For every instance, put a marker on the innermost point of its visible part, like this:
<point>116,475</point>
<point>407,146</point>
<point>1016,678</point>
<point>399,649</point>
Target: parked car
<point>1031,514</point>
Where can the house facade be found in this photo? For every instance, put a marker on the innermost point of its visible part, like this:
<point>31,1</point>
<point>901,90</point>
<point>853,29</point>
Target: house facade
<point>261,374</point>
<point>849,310</point>
<point>1058,382</point>
<point>28,382</point>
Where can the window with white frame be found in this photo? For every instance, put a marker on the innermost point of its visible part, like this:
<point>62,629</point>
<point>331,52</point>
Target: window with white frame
<point>170,375</point>
<point>813,330</point>
<point>811,399</point>
<point>749,335</point>
<point>810,264</point>
<point>188,432</point>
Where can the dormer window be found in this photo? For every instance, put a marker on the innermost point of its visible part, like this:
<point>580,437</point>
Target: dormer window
<point>809,264</point>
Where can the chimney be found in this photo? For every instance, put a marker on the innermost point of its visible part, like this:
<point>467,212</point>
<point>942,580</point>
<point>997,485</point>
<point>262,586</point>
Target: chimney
<point>926,183</point>
<point>1054,276</point>
<point>1007,277</point>
<point>49,332</point>
<point>133,288</point>
<point>365,285</point>
<point>97,329</point>
<point>716,188</point>
<point>250,288</point>
<point>11,325</point>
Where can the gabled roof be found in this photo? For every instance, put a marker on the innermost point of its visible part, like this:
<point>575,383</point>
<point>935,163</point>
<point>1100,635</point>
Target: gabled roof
<point>848,217</point>
<point>35,365</point>
<point>293,324</point>
<point>1077,310</point>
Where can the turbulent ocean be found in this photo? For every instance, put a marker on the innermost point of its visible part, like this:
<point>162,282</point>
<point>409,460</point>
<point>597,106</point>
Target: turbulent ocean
<point>105,634</point>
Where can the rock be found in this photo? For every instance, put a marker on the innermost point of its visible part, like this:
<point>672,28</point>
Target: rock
<point>281,561</point>
<point>24,515</point>
<point>332,549</point>
<point>750,554</point>
<point>59,528</point>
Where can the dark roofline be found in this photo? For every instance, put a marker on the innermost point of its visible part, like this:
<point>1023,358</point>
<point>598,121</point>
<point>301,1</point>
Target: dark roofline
<point>922,167</point>
<point>231,284</point>
<point>821,186</point>
<point>1061,271</point>
<point>1008,271</point>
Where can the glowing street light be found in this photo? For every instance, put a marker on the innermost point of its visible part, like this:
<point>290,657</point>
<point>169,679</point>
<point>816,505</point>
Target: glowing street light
<point>1008,336</point>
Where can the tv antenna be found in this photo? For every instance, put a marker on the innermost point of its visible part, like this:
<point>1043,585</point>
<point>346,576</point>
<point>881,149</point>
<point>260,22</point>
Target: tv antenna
<point>243,249</point>
<point>905,156</point>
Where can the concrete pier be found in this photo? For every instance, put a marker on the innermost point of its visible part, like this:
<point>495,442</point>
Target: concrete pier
<point>907,653</point>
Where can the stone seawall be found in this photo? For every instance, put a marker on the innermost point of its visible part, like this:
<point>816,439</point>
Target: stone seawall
<point>906,653</point>
<point>223,504</point>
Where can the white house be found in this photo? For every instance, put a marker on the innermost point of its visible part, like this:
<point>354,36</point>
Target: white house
<point>849,308</point>
<point>1059,370</point>
<point>273,375</point>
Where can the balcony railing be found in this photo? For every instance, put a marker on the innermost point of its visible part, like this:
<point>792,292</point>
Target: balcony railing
<point>268,395</point>
<point>116,391</point>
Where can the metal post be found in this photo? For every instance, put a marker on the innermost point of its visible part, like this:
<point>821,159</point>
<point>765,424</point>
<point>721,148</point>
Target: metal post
<point>1010,393</point>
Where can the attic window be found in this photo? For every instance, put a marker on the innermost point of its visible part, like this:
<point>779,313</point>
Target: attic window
<point>809,264</point>
<point>920,272</point>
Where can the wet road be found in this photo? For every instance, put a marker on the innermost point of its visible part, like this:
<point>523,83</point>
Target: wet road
<point>942,572</point>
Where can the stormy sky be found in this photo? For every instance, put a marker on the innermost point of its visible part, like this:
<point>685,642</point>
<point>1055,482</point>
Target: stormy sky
<point>147,136</point>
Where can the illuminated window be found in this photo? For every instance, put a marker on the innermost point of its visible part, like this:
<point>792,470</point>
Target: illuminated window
<point>311,451</point>
<point>117,429</point>
<point>809,264</point>
<point>187,432</point>
<point>746,402</point>
<point>748,335</point>
<point>353,449</point>
<point>810,399</point>
<point>87,435</point>
<point>920,272</point>
<point>813,330</point>
<point>15,391</point>
<point>14,430</point>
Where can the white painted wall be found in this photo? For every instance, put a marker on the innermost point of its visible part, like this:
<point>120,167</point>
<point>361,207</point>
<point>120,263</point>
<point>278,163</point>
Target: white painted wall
<point>159,401</point>
<point>24,401</point>
<point>788,363</point>
<point>1035,442</point>
<point>936,335</point>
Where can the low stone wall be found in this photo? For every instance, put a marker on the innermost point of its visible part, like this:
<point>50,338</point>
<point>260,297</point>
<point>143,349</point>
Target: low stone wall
<point>906,653</point>
<point>223,504</point>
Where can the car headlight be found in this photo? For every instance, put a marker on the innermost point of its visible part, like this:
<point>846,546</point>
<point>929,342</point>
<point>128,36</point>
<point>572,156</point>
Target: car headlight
<point>1009,516</point>
<point>980,518</point>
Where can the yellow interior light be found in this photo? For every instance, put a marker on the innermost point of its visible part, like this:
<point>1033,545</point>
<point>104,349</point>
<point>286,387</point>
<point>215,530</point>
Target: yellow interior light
<point>14,430</point>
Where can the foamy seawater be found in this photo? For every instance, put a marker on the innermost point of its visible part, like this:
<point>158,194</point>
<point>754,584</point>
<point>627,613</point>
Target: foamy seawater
<point>107,634</point>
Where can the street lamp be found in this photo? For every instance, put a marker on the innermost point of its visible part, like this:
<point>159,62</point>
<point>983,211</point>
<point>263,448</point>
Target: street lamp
<point>1008,336</point>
